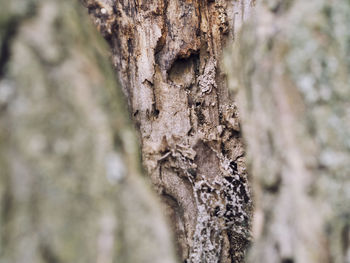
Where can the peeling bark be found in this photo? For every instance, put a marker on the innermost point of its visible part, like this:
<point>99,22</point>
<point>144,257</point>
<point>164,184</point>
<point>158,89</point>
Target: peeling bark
<point>291,68</point>
<point>167,57</point>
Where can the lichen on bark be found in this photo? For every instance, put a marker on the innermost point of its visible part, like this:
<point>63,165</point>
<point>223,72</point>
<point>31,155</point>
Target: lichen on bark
<point>291,71</point>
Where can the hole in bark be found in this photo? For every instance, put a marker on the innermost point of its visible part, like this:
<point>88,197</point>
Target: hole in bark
<point>155,113</point>
<point>287,260</point>
<point>182,71</point>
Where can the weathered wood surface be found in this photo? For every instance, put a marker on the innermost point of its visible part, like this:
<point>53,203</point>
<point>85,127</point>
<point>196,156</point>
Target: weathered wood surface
<point>167,57</point>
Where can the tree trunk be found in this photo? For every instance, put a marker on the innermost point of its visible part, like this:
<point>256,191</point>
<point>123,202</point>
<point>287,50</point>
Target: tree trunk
<point>70,189</point>
<point>167,57</point>
<point>292,67</point>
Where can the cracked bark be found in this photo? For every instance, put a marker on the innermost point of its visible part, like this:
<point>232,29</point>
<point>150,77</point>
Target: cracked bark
<point>291,69</point>
<point>167,57</point>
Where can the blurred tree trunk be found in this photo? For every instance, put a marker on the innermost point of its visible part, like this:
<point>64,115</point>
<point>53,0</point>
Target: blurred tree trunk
<point>292,68</point>
<point>70,189</point>
<point>167,57</point>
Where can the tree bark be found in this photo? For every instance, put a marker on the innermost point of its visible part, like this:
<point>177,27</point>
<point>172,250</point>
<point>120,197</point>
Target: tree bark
<point>70,187</point>
<point>291,68</point>
<point>167,57</point>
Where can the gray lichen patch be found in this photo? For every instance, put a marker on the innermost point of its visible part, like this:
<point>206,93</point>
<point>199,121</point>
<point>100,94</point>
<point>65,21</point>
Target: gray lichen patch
<point>206,81</point>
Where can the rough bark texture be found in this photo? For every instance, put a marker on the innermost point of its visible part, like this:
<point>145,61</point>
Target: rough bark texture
<point>70,189</point>
<point>167,56</point>
<point>292,68</point>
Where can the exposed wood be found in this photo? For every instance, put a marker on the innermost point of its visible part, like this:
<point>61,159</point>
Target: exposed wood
<point>167,57</point>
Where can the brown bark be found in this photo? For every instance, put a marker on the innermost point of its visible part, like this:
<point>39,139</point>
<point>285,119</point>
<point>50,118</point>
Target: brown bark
<point>167,57</point>
<point>292,70</point>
